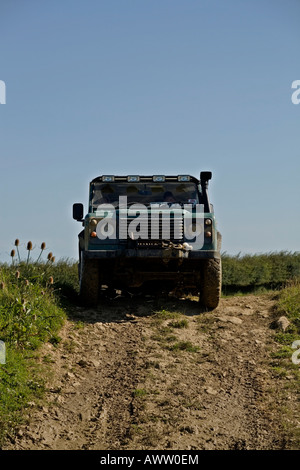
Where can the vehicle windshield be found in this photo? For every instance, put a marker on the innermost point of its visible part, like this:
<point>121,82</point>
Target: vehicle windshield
<point>144,193</point>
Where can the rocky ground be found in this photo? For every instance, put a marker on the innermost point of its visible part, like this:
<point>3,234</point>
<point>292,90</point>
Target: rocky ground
<point>144,373</point>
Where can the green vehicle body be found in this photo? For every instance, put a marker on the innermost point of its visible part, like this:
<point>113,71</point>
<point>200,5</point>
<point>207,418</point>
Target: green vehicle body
<point>112,255</point>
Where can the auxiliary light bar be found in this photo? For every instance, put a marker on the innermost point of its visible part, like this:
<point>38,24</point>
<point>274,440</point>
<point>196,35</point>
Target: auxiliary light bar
<point>184,178</point>
<point>159,178</point>
<point>133,178</point>
<point>137,178</point>
<point>108,178</point>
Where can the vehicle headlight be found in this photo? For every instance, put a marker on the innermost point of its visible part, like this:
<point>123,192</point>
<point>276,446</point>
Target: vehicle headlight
<point>208,228</point>
<point>92,227</point>
<point>93,222</point>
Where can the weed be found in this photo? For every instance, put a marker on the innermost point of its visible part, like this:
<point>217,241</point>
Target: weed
<point>284,352</point>
<point>139,392</point>
<point>166,315</point>
<point>179,324</point>
<point>47,359</point>
<point>183,346</point>
<point>78,325</point>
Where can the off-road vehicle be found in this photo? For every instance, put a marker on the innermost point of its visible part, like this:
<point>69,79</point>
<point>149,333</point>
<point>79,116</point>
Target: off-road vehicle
<point>149,232</point>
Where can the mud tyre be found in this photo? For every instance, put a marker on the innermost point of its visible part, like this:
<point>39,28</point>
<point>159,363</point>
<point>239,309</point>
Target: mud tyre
<point>89,281</point>
<point>211,283</point>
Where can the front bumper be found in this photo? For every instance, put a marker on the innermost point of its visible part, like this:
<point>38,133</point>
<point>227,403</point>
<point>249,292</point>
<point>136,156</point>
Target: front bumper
<point>152,254</point>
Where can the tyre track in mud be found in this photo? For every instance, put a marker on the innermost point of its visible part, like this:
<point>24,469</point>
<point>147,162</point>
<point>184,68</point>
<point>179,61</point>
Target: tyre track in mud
<point>90,395</point>
<point>121,379</point>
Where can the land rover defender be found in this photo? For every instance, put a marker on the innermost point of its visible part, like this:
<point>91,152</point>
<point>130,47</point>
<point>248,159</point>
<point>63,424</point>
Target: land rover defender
<point>157,232</point>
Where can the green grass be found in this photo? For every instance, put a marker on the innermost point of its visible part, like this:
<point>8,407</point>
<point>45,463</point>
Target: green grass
<point>29,308</point>
<point>178,324</point>
<point>140,392</point>
<point>164,323</point>
<point>288,305</point>
<point>20,384</point>
<point>31,314</point>
<point>163,314</point>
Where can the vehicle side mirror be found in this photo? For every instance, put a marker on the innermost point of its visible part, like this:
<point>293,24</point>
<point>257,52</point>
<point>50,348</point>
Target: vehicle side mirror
<point>78,211</point>
<point>205,176</point>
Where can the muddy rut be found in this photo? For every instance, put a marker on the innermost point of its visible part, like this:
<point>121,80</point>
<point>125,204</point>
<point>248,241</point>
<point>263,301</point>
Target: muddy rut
<point>146,373</point>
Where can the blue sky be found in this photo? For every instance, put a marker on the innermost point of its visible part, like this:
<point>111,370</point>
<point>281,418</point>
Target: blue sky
<point>150,86</point>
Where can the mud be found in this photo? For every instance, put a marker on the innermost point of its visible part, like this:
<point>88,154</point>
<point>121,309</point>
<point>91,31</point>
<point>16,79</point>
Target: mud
<point>124,377</point>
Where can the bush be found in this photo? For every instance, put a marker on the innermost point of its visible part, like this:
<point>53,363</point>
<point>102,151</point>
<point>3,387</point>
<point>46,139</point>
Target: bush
<point>249,272</point>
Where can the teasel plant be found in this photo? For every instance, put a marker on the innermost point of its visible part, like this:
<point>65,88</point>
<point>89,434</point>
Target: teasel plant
<point>29,248</point>
<point>29,267</point>
<point>43,247</point>
<point>17,242</point>
<point>12,254</point>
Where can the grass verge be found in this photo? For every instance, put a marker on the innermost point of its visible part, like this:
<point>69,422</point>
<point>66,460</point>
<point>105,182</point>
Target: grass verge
<point>30,315</point>
<point>286,359</point>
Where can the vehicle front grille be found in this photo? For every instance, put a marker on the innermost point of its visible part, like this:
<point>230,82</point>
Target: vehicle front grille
<point>152,230</point>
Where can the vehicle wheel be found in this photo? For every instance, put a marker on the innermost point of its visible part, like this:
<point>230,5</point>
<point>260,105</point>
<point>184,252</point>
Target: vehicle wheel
<point>89,281</point>
<point>211,283</point>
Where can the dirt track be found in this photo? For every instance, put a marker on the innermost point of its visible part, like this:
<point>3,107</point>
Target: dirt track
<point>131,379</point>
